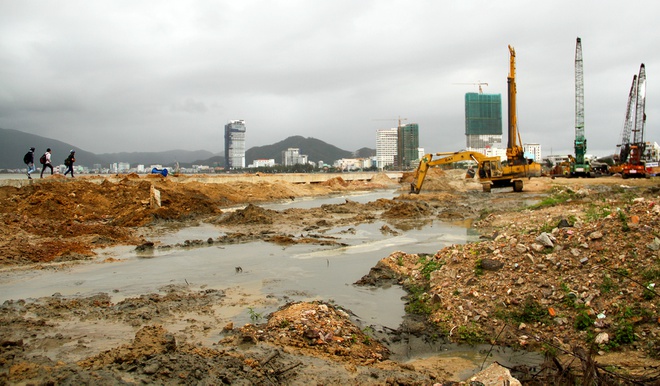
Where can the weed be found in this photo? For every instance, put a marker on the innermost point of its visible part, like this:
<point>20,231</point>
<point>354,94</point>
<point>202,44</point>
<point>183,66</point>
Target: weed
<point>470,334</point>
<point>399,261</point>
<point>622,272</point>
<point>547,228</point>
<point>556,198</point>
<point>530,312</point>
<point>594,212</point>
<point>368,331</point>
<point>624,333</point>
<point>624,221</point>
<point>417,305</point>
<point>583,321</point>
<point>284,323</point>
<point>649,291</point>
<point>254,316</point>
<point>608,285</point>
<point>429,265</point>
<point>651,274</point>
<point>478,268</point>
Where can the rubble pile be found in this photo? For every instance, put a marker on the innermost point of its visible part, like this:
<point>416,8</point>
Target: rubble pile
<point>318,328</point>
<point>581,269</point>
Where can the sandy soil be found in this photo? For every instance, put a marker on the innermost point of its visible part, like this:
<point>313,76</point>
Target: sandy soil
<point>587,299</point>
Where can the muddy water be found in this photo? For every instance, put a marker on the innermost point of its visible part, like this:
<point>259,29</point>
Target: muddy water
<point>269,275</point>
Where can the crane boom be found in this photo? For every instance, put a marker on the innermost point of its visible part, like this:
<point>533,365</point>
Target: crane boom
<point>638,145</point>
<point>627,125</point>
<point>580,140</point>
<point>640,111</point>
<point>579,165</point>
<point>514,151</point>
<point>635,165</point>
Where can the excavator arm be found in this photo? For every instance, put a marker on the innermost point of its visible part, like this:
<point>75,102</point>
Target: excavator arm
<point>428,162</point>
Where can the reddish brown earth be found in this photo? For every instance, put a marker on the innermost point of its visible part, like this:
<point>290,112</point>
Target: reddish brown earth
<point>505,290</point>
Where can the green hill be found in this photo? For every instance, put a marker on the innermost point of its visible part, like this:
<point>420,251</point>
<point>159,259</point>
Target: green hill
<point>16,143</point>
<point>315,150</point>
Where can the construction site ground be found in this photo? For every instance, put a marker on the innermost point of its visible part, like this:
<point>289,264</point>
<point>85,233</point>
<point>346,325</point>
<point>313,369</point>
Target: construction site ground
<point>569,267</point>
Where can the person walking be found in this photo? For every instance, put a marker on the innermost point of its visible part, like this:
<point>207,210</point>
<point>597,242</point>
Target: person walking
<point>46,163</point>
<point>68,162</point>
<point>29,161</point>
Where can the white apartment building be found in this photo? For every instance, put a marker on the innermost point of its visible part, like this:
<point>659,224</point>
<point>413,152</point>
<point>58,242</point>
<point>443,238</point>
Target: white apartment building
<point>386,143</point>
<point>533,150</point>
<point>352,163</point>
<point>262,163</point>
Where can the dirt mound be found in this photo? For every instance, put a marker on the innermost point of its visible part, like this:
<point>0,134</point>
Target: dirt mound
<point>319,329</point>
<point>384,180</point>
<point>335,183</point>
<point>405,210</point>
<point>252,214</point>
<point>448,180</point>
<point>149,341</point>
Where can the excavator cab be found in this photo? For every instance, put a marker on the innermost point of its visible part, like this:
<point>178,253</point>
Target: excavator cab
<point>490,169</point>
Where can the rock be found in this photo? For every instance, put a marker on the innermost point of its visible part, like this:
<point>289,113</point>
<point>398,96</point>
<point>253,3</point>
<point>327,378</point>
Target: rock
<point>596,235</point>
<point>563,223</point>
<point>151,368</point>
<point>545,240</point>
<point>537,247</point>
<point>491,264</point>
<point>494,375</point>
<point>654,245</point>
<point>602,338</point>
<point>521,248</point>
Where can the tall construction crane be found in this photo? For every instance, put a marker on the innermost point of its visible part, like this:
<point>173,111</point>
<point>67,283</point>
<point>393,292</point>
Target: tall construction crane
<point>635,166</point>
<point>579,166</point>
<point>624,146</point>
<point>514,151</point>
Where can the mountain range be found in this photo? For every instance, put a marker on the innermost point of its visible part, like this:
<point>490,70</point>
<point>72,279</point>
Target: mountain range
<point>15,144</point>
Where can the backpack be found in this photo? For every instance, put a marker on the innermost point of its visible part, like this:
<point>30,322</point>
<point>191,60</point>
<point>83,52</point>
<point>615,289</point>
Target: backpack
<point>42,160</point>
<point>67,161</point>
<point>27,158</point>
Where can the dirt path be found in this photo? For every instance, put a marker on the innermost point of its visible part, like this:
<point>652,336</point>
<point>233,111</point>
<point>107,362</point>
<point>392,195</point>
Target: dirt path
<point>510,289</point>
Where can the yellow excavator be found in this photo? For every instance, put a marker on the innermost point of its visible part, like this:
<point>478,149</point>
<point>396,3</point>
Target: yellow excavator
<point>492,172</point>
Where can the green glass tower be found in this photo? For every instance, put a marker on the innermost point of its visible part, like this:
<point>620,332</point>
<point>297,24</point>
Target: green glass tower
<point>483,120</point>
<point>407,145</point>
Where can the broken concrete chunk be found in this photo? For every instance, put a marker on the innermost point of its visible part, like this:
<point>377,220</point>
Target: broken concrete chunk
<point>545,240</point>
<point>654,245</point>
<point>596,235</point>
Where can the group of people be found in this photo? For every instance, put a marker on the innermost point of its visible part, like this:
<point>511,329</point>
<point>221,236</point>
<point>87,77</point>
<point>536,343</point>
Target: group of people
<point>46,162</point>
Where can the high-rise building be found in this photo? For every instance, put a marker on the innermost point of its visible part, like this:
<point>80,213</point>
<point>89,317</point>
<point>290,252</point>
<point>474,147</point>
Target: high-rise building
<point>386,147</point>
<point>292,156</point>
<point>483,120</point>
<point>235,144</point>
<point>407,144</point>
<point>532,151</point>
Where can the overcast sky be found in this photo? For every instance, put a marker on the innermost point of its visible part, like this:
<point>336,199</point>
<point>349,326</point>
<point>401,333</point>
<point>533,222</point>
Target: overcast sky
<point>111,76</point>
